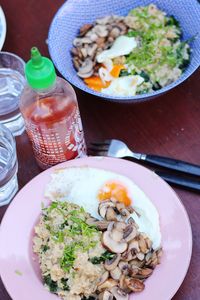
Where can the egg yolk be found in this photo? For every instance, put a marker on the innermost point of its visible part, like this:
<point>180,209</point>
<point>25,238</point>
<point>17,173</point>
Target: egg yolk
<point>116,191</point>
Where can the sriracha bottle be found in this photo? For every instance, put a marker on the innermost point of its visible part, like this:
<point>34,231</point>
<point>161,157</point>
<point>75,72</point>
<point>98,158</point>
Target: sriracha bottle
<point>50,110</point>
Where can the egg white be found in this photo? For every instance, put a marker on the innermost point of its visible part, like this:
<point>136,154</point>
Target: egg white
<point>123,45</point>
<point>81,186</point>
<point>123,86</point>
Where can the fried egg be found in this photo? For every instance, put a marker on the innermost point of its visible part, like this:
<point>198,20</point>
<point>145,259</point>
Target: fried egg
<point>123,86</point>
<point>123,45</point>
<point>87,186</point>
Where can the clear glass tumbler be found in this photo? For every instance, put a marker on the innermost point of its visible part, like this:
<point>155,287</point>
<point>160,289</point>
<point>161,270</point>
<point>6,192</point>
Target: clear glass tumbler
<point>12,82</point>
<point>8,166</point>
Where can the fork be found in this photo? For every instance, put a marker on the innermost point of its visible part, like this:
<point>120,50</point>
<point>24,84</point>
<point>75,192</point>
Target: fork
<point>117,148</point>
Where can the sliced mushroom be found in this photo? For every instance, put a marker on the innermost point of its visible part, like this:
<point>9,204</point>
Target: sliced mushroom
<point>154,262</point>
<point>101,30</point>
<point>121,281</point>
<point>106,295</point>
<point>111,214</point>
<point>124,267</point>
<point>107,285</point>
<point>119,294</point>
<point>145,272</point>
<point>140,256</point>
<point>102,225</point>
<point>133,271</point>
<point>110,226</point>
<point>86,70</point>
<point>86,40</point>
<point>134,245</point>
<point>74,51</point>
<point>130,209</point>
<point>134,284</point>
<point>111,245</point>
<point>84,52</point>
<point>103,206</point>
<point>77,42</point>
<point>91,221</point>
<point>116,235</point>
<point>85,28</point>
<point>137,263</point>
<point>143,245</point>
<point>130,233</point>
<point>148,243</point>
<point>129,255</point>
<point>122,27</point>
<point>115,32</point>
<point>148,256</point>
<point>120,226</point>
<point>87,66</point>
<point>85,75</point>
<point>111,264</point>
<point>92,35</point>
<point>124,213</point>
<point>76,63</point>
<point>103,278</point>
<point>91,50</point>
<point>116,273</point>
<point>100,42</point>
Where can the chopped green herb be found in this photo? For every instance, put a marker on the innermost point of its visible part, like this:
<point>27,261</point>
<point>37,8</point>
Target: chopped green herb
<point>106,255</point>
<point>80,227</point>
<point>53,287</point>
<point>65,284</point>
<point>133,33</point>
<point>68,258</point>
<point>58,236</point>
<point>145,76</point>
<point>48,227</point>
<point>170,21</point>
<point>18,272</point>
<point>45,248</point>
<point>64,224</point>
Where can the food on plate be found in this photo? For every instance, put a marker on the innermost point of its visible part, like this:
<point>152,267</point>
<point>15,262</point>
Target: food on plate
<point>101,255</point>
<point>87,186</point>
<point>130,55</point>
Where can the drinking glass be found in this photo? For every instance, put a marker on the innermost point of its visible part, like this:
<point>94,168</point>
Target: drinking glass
<point>12,82</point>
<point>8,166</point>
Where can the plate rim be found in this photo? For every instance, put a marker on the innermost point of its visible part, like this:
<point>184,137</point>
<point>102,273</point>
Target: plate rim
<point>48,172</point>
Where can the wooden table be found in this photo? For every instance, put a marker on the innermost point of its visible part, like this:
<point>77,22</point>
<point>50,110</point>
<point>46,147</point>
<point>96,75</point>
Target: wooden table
<point>169,125</point>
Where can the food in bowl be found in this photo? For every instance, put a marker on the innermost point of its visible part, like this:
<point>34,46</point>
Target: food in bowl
<point>85,257</point>
<point>130,55</point>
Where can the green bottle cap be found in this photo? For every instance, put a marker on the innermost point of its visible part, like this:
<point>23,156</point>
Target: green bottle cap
<point>39,70</point>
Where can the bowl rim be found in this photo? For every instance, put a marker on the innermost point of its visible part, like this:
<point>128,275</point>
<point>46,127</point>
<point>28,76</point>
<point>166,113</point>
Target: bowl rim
<point>4,28</point>
<point>129,99</point>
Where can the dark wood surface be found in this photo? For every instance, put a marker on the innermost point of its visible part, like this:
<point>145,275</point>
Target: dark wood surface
<point>168,125</point>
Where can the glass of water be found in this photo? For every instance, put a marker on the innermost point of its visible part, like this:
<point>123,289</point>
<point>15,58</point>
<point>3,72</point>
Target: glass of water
<point>8,166</point>
<point>12,82</point>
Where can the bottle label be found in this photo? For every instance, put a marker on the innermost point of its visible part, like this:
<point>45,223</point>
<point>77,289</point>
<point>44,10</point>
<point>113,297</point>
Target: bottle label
<point>59,142</point>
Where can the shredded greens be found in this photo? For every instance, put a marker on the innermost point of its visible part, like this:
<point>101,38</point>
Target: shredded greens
<point>53,287</point>
<point>73,225</point>
<point>106,255</point>
<point>160,50</point>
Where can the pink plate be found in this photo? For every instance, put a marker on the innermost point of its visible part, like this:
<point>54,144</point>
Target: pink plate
<point>19,270</point>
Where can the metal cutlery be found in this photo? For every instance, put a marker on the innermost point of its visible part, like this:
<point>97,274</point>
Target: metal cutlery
<point>117,148</point>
